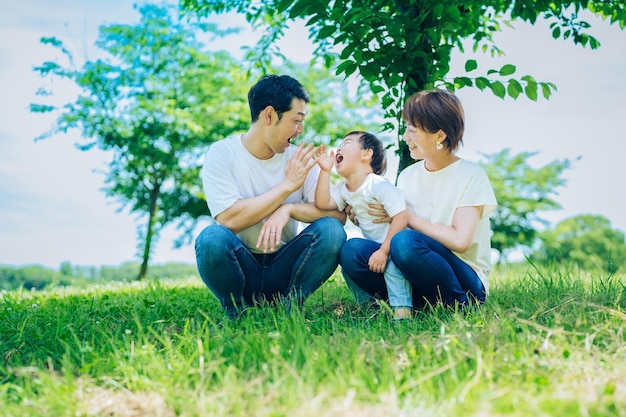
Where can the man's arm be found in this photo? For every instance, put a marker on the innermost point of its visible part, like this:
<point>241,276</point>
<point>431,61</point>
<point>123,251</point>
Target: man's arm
<point>250,211</point>
<point>271,232</point>
<point>307,213</point>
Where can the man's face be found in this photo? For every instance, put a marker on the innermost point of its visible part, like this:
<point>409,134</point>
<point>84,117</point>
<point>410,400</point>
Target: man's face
<point>290,125</point>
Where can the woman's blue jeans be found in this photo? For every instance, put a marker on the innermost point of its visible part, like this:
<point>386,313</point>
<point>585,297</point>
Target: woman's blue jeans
<point>238,277</point>
<point>436,274</point>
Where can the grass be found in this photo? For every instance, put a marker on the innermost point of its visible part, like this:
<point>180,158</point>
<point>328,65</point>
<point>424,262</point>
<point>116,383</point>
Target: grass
<point>548,342</point>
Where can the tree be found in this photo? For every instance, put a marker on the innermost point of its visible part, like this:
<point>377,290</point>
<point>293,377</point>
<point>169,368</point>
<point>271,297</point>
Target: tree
<point>158,100</point>
<point>522,191</point>
<point>586,240</point>
<point>402,46</point>
<point>148,102</point>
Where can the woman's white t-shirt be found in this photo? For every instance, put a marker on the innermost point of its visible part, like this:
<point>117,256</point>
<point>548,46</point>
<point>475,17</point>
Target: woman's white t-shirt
<point>435,196</point>
<point>231,173</point>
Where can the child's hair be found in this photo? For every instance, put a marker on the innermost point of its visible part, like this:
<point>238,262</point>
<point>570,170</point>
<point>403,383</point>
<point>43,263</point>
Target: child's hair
<point>379,156</point>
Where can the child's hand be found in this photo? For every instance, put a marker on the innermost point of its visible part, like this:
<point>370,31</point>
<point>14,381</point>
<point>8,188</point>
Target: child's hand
<point>378,261</point>
<point>325,160</point>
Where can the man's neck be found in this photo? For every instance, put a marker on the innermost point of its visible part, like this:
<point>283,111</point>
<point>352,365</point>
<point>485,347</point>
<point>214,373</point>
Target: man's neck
<point>253,141</point>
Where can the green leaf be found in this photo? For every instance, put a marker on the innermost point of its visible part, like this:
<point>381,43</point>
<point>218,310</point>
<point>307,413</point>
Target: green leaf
<point>470,65</point>
<point>531,91</point>
<point>377,89</point>
<point>482,83</point>
<point>346,67</point>
<point>283,5</point>
<point>498,89</point>
<point>347,51</point>
<point>545,89</point>
<point>514,89</point>
<point>326,32</point>
<point>437,10</point>
<point>507,69</point>
<point>463,82</point>
<point>299,9</point>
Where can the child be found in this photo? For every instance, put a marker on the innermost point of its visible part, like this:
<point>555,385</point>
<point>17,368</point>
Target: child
<point>361,161</point>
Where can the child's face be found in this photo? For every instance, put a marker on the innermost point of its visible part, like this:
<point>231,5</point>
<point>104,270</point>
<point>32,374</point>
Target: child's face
<point>348,155</point>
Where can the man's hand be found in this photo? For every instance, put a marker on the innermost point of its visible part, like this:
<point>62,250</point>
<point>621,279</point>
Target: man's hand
<point>299,165</point>
<point>351,215</point>
<point>272,230</point>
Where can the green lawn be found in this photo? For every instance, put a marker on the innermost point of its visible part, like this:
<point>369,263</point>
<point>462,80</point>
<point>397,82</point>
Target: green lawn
<point>546,343</point>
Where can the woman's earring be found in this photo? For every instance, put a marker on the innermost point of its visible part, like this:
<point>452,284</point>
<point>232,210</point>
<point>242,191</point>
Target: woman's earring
<point>439,146</point>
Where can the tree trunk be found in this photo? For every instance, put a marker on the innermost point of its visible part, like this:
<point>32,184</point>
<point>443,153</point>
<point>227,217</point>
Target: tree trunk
<point>147,248</point>
<point>417,75</point>
<point>404,154</point>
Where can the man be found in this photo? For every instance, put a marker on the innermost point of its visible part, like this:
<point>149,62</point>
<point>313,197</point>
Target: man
<point>258,188</point>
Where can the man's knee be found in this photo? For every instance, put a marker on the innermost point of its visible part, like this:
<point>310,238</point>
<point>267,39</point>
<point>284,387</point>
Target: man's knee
<point>213,237</point>
<point>331,230</point>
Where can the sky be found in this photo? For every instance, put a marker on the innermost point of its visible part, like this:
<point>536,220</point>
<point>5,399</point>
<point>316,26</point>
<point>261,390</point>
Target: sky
<point>52,209</point>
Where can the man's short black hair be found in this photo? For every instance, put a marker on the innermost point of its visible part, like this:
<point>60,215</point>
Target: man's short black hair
<point>277,91</point>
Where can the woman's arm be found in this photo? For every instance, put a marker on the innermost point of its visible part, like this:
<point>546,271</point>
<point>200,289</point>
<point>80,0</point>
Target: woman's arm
<point>457,237</point>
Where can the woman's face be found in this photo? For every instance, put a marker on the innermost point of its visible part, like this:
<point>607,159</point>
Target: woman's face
<point>420,142</point>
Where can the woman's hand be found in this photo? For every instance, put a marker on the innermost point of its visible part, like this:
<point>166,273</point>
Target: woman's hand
<point>378,211</point>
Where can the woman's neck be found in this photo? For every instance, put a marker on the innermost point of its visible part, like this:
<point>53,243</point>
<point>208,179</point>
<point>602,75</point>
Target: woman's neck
<point>437,164</point>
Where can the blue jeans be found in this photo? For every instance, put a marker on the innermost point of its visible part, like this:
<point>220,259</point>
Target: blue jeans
<point>397,289</point>
<point>238,277</point>
<point>435,273</point>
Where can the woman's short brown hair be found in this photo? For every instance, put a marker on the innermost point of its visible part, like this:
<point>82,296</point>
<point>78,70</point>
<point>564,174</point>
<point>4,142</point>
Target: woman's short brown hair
<point>432,110</point>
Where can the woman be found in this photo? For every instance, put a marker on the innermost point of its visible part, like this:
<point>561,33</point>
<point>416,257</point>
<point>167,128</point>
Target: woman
<point>445,253</point>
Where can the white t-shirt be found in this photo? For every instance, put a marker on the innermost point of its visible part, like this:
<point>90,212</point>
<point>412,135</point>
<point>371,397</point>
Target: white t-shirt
<point>435,196</point>
<point>231,173</point>
<point>375,189</point>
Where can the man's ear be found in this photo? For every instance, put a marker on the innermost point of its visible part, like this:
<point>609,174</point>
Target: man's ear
<point>269,114</point>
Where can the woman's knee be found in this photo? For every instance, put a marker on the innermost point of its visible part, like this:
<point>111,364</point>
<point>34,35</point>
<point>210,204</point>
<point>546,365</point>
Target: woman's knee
<point>402,246</point>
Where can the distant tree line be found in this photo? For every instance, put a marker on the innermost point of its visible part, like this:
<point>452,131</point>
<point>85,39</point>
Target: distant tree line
<point>37,277</point>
